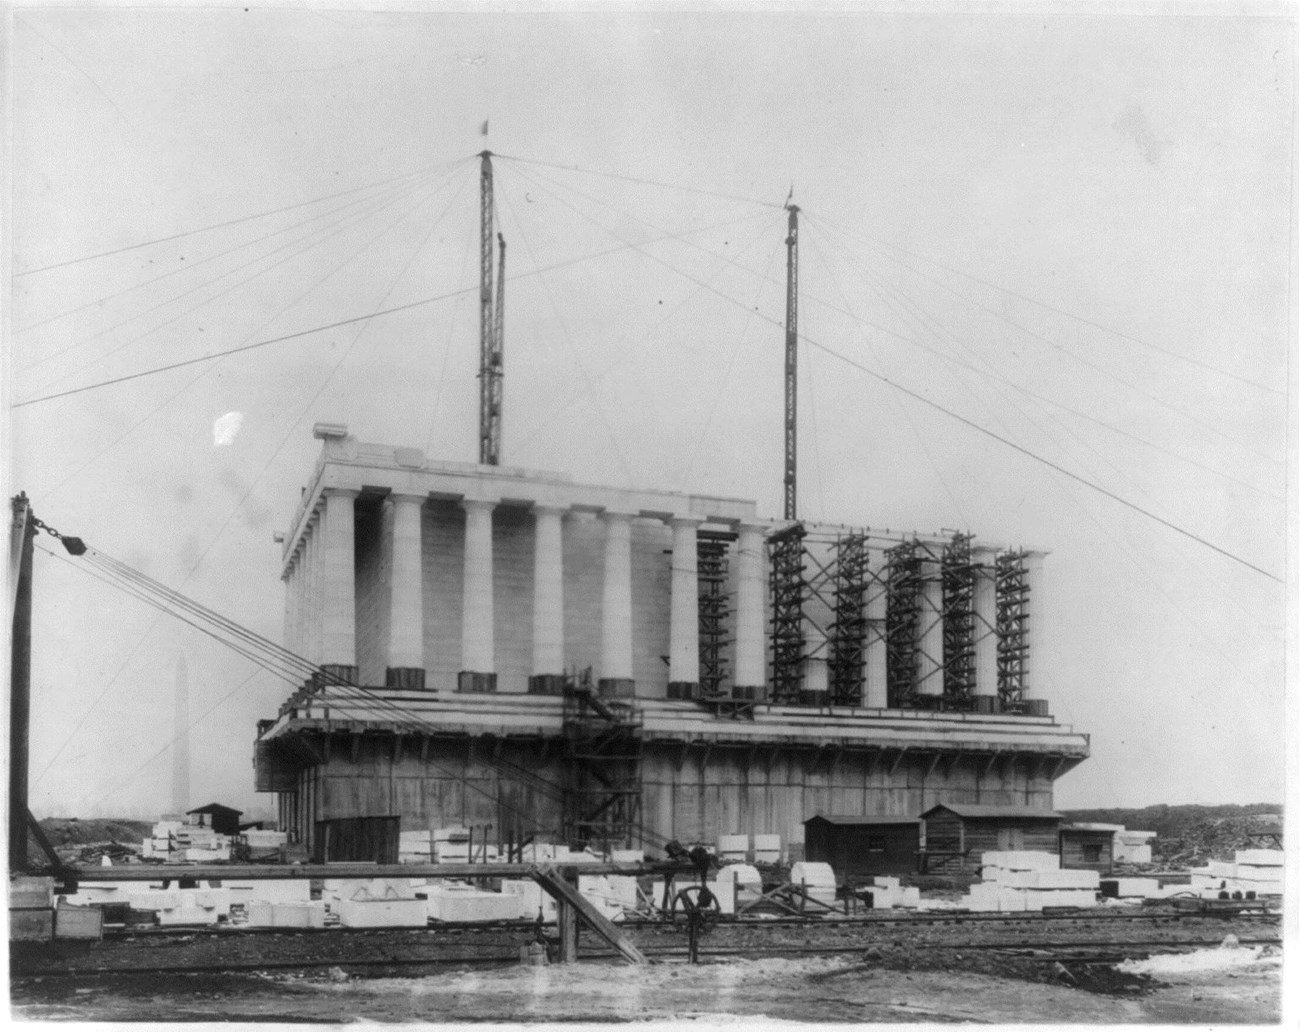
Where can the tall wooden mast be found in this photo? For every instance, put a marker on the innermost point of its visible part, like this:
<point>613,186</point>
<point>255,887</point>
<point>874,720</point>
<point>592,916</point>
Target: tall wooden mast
<point>791,358</point>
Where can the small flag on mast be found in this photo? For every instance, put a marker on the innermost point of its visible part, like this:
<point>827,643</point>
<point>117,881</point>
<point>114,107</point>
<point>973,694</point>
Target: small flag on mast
<point>483,131</point>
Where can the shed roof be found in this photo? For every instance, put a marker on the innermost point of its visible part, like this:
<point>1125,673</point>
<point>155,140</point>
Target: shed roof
<point>859,819</point>
<point>215,808</point>
<point>972,811</point>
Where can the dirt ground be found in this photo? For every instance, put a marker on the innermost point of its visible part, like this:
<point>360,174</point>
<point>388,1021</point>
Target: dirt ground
<point>806,990</point>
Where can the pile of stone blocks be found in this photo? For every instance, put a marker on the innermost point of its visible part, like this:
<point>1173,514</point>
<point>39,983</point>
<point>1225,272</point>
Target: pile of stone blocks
<point>376,903</point>
<point>733,848</point>
<point>264,844</point>
<point>1027,880</point>
<point>454,902</point>
<point>531,898</point>
<point>741,882</point>
<point>286,915</point>
<point>451,845</point>
<point>416,847</point>
<point>1131,888</point>
<point>767,849</point>
<point>1253,870</point>
<point>887,893</point>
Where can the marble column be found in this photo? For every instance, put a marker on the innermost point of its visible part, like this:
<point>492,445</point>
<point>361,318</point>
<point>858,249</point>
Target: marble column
<point>338,574</point>
<point>405,665</point>
<point>616,608</point>
<point>876,695</point>
<point>548,601</point>
<point>751,642</point>
<point>1038,637</point>
<point>929,676</point>
<point>684,611</point>
<point>478,648</point>
<point>986,629</point>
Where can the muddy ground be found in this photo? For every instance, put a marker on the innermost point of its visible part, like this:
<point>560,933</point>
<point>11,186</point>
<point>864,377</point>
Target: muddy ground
<point>810,989</point>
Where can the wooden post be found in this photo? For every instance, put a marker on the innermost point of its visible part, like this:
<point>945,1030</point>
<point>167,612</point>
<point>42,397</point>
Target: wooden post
<point>567,917</point>
<point>23,530</point>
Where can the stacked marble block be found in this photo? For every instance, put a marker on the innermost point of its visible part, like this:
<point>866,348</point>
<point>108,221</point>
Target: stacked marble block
<point>888,893</point>
<point>1016,880</point>
<point>375,902</point>
<point>415,847</point>
<point>278,904</point>
<point>1252,870</point>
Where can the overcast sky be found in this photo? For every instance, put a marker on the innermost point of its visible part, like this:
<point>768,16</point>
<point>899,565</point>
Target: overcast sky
<point>1069,231</point>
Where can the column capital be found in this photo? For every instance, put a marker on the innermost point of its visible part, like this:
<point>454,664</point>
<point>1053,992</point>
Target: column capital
<point>403,496</point>
<point>751,527</point>
<point>612,515</point>
<point>339,492</point>
<point>478,504</point>
<point>688,519</point>
<point>549,509</point>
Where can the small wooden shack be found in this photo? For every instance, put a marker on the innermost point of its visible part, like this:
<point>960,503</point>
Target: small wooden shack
<point>224,820</point>
<point>1089,847</point>
<point>858,847</point>
<point>958,834</point>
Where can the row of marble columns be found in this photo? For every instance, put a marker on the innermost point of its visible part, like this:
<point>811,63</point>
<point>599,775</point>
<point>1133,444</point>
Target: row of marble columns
<point>320,612</point>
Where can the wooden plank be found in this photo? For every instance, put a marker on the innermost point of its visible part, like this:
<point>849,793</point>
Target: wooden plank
<point>563,891</point>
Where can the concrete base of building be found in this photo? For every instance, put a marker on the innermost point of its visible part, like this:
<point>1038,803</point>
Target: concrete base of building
<point>683,689</point>
<point>814,697</point>
<point>404,677</point>
<point>469,681</point>
<point>338,673</point>
<point>546,684</point>
<point>616,688</point>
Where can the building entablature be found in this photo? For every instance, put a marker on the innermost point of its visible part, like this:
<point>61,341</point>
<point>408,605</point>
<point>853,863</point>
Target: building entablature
<point>670,721</point>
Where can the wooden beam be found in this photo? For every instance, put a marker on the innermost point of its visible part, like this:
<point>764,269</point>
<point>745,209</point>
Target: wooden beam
<point>953,759</point>
<point>988,766</point>
<point>898,758</point>
<point>354,746</point>
<point>325,741</point>
<point>424,748</point>
<point>397,749</point>
<point>833,766</point>
<point>681,756</point>
<point>934,762</point>
<point>1056,767</point>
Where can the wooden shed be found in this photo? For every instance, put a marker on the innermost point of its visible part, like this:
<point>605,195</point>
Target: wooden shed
<point>958,834</point>
<point>858,847</point>
<point>224,820</point>
<point>1089,847</point>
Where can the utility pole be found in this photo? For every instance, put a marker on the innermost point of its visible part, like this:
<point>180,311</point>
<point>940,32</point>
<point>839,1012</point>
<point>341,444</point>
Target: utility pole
<point>791,356</point>
<point>22,531</point>
<point>489,433</point>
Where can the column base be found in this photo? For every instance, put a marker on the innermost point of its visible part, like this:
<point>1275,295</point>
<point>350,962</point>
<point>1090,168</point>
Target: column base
<point>1036,708</point>
<point>985,704</point>
<point>927,702</point>
<point>546,684</point>
<point>683,689</point>
<point>404,677</point>
<point>750,692</point>
<point>469,681</point>
<point>616,688</point>
<point>338,673</point>
<point>814,697</point>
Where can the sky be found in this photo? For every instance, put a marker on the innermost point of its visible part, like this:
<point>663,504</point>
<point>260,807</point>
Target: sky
<point>1046,296</point>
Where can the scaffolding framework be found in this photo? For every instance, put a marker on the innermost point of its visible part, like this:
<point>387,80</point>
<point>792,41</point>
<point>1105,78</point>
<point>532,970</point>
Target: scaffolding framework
<point>902,620</point>
<point>1012,629</point>
<point>959,575</point>
<point>789,592</point>
<point>712,553</point>
<point>602,790</point>
<point>849,631</point>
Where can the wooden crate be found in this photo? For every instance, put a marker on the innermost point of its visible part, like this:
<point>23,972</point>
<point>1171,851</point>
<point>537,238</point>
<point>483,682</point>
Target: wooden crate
<point>72,922</point>
<point>31,925</point>
<point>30,893</point>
